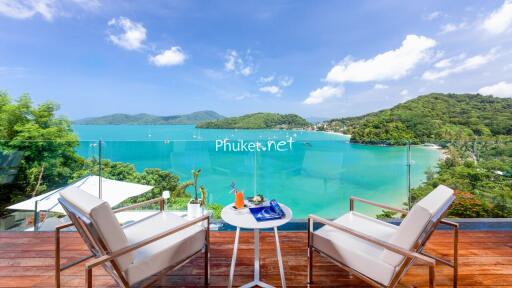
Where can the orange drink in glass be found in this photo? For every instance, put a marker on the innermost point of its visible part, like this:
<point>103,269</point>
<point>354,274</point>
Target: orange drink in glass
<point>239,200</point>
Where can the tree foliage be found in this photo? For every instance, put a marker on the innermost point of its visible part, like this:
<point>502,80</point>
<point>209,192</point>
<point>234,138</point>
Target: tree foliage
<point>482,189</point>
<point>45,143</point>
<point>38,154</point>
<point>431,117</point>
<point>258,121</point>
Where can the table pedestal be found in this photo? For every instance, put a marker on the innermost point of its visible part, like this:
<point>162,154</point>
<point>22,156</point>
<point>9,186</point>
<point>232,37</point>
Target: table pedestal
<point>256,281</point>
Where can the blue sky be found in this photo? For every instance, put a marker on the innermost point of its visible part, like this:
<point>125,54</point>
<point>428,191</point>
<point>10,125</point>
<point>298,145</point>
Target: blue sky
<point>326,59</point>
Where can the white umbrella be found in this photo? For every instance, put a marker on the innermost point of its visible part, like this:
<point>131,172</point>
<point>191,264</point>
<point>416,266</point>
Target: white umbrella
<point>112,191</point>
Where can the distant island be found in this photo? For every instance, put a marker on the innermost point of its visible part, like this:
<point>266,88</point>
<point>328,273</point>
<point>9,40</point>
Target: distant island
<point>258,121</point>
<point>148,119</point>
<point>429,117</point>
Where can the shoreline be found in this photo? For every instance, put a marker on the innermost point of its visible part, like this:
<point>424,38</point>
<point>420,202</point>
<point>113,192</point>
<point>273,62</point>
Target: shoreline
<point>336,133</point>
<point>443,152</point>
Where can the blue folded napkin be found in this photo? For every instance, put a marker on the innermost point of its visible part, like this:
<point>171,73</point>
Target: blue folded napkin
<point>267,213</point>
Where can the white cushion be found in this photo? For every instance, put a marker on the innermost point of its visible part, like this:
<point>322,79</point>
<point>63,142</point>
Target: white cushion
<point>408,232</point>
<point>163,253</point>
<point>354,252</point>
<point>103,217</point>
<point>416,221</point>
<point>436,199</point>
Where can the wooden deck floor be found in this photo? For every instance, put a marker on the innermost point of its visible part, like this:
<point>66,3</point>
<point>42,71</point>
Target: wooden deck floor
<point>26,260</point>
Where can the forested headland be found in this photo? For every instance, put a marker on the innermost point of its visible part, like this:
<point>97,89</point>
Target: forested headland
<point>258,121</point>
<point>475,132</point>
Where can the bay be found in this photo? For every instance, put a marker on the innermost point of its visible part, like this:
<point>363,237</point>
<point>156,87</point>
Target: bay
<point>311,172</point>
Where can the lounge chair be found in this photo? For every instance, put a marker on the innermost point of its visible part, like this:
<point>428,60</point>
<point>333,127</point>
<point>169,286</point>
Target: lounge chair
<point>378,252</point>
<point>133,253</point>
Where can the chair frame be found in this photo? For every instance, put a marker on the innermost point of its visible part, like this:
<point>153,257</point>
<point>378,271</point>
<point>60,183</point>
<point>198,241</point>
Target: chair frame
<point>96,244</point>
<point>415,254</point>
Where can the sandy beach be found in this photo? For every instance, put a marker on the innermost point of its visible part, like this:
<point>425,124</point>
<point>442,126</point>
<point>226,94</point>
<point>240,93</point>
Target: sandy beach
<point>336,133</point>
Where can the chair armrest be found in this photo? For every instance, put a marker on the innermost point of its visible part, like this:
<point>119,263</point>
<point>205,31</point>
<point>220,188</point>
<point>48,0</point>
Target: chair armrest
<point>383,206</point>
<point>62,226</point>
<point>128,249</point>
<point>449,223</point>
<point>137,205</point>
<point>373,240</point>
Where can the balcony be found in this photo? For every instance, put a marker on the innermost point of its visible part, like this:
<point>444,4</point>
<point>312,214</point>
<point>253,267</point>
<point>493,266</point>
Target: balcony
<point>485,261</point>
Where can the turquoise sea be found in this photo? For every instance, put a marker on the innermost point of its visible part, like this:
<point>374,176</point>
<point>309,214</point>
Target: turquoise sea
<point>314,172</point>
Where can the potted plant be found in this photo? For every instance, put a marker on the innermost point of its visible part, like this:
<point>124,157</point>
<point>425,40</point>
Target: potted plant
<point>203,196</point>
<point>194,206</point>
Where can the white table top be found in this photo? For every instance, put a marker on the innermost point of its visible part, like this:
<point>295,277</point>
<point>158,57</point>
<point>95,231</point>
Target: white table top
<point>244,219</point>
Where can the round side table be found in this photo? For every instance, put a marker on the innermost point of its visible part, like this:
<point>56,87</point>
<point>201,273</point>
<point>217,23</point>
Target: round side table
<point>244,219</point>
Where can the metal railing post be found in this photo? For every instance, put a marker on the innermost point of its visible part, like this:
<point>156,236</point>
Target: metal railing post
<point>99,168</point>
<point>36,216</point>
<point>409,175</point>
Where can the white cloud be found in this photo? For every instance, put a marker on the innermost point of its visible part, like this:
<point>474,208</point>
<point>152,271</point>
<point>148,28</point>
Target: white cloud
<point>273,89</point>
<point>275,85</point>
<point>468,64</point>
<point>23,9</point>
<point>266,79</point>
<point>246,71</point>
<point>321,94</point>
<point>447,62</point>
<point>238,63</point>
<point>283,81</point>
<point>132,34</point>
<point>502,89</point>
<point>170,57</point>
<point>450,27</point>
<point>404,92</point>
<point>379,86</point>
<point>231,57</point>
<point>393,64</point>
<point>48,9</point>
<point>286,81</point>
<point>499,20</point>
<point>433,15</point>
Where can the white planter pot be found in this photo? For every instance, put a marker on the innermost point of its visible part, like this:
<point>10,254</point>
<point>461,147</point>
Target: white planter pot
<point>194,210</point>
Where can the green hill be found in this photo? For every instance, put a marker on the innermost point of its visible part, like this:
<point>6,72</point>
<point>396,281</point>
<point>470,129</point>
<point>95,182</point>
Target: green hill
<point>148,119</point>
<point>430,117</point>
<point>258,121</point>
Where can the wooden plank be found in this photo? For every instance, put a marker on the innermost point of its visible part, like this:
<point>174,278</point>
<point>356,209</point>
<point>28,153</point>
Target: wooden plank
<point>26,260</point>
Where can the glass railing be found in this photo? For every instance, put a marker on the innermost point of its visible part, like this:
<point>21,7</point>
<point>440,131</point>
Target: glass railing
<point>30,174</point>
<point>480,171</point>
<point>310,174</point>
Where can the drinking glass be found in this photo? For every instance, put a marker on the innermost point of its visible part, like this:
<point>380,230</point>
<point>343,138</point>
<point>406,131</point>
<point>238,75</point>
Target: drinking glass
<point>239,200</point>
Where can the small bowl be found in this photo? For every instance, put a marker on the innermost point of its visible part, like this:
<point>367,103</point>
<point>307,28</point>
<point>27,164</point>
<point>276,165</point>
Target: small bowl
<point>254,203</point>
